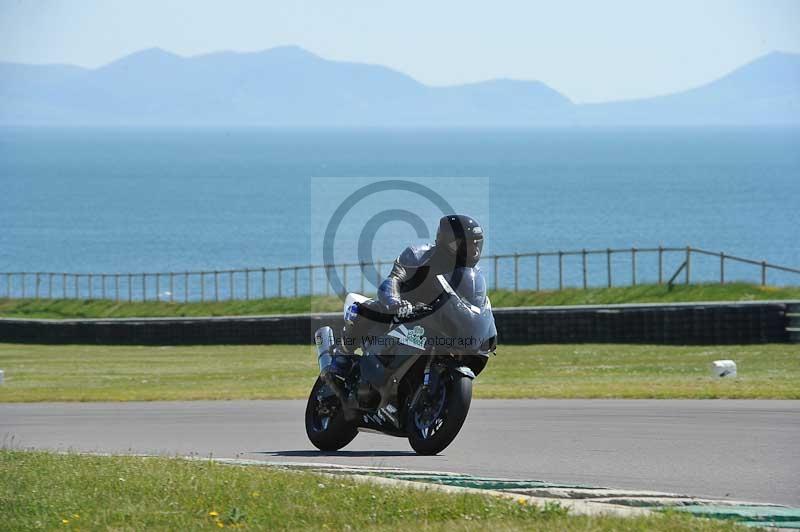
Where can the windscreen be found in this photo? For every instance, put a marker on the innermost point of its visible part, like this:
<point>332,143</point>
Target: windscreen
<point>470,285</point>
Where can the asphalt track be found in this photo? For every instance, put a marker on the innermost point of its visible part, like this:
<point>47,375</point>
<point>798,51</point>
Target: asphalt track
<point>745,450</point>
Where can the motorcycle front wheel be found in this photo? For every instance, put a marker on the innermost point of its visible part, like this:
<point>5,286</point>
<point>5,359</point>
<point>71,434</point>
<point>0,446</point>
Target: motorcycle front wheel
<point>434,423</point>
<point>326,426</point>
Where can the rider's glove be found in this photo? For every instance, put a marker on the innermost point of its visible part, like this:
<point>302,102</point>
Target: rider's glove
<point>405,309</point>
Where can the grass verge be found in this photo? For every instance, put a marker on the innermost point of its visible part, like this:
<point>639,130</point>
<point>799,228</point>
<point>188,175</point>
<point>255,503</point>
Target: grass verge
<point>77,308</point>
<point>44,491</point>
<point>128,373</point>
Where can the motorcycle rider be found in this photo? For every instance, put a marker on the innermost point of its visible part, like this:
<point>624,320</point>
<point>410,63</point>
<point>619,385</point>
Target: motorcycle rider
<point>459,242</point>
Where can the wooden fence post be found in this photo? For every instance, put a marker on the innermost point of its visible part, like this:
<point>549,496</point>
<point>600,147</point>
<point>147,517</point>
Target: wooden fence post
<point>583,265</point>
<point>327,270</point>
<point>263,283</point>
<point>688,264</point>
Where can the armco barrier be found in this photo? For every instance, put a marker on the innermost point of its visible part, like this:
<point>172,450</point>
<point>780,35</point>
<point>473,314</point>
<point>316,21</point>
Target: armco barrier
<point>679,323</point>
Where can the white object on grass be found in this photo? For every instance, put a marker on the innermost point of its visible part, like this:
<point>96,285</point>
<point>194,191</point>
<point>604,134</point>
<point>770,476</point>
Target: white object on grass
<point>1,376</point>
<point>723,368</point>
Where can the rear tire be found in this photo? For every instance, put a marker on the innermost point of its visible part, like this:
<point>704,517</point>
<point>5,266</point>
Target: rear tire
<point>458,396</point>
<point>327,433</point>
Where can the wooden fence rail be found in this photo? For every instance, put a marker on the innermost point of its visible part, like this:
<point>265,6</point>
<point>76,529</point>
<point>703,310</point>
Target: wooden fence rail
<point>510,271</point>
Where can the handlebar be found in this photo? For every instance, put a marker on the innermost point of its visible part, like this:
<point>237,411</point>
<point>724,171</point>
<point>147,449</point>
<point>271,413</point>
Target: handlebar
<point>419,309</point>
<point>422,308</point>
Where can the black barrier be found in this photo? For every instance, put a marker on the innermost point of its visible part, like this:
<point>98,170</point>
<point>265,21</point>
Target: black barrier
<point>689,323</point>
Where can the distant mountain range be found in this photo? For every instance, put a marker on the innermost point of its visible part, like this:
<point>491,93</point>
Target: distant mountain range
<point>289,86</point>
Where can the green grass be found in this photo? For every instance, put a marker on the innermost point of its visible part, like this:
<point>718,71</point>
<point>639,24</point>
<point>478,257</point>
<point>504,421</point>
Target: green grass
<point>44,491</point>
<point>103,308</point>
<point>650,293</point>
<point>72,308</point>
<point>126,373</point>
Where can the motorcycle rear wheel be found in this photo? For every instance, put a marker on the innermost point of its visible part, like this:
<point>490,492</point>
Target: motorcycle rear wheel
<point>442,430</point>
<point>327,433</point>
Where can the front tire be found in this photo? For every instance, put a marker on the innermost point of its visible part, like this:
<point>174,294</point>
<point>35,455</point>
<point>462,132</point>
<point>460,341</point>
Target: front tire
<point>326,425</point>
<point>430,434</point>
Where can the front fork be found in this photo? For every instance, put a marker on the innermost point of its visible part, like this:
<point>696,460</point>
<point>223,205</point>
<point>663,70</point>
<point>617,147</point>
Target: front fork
<point>435,376</point>
<point>426,377</point>
<point>431,380</point>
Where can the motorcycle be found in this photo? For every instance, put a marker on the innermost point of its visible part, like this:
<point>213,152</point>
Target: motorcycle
<point>413,380</point>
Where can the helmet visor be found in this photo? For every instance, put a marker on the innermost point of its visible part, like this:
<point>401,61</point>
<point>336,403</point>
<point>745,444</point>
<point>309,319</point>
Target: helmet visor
<point>470,249</point>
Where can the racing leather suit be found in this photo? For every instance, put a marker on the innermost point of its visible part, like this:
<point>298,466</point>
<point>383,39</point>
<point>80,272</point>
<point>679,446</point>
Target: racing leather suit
<point>413,277</point>
<point>412,280</point>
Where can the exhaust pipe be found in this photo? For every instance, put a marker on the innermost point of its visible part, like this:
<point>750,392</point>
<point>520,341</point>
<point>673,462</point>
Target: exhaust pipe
<point>325,341</point>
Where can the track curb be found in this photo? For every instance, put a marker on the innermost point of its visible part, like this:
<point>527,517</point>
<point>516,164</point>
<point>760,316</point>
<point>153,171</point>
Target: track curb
<point>579,500</point>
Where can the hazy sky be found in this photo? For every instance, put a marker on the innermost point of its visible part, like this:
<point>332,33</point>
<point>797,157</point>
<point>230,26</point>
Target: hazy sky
<point>590,51</point>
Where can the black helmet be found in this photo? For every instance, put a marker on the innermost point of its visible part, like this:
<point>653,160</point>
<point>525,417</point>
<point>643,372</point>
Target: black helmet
<point>462,237</point>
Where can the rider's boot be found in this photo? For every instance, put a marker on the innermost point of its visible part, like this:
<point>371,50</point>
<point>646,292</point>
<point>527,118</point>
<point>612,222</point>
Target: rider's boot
<point>342,363</point>
<point>342,357</point>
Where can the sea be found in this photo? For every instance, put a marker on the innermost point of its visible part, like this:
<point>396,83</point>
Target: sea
<point>127,200</point>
